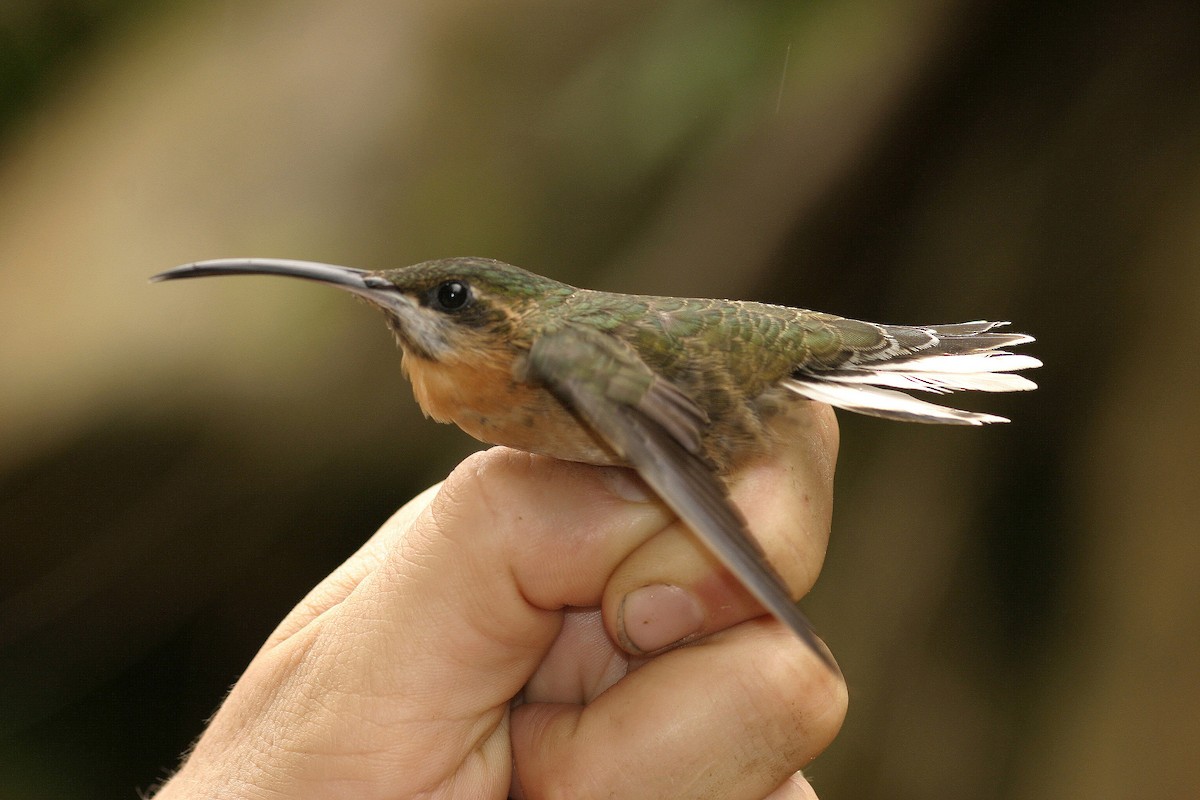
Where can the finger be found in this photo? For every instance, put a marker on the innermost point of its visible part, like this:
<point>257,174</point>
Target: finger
<point>484,571</point>
<point>580,665</point>
<point>795,787</point>
<point>672,589</point>
<point>731,716</point>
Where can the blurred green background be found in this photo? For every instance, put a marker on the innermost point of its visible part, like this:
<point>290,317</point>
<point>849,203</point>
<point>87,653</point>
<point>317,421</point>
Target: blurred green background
<point>1017,609</point>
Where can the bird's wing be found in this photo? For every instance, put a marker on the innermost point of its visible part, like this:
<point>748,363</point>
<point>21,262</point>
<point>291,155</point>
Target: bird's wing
<point>657,429</point>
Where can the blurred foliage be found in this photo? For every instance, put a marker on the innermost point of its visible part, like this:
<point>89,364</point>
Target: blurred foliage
<point>1015,608</point>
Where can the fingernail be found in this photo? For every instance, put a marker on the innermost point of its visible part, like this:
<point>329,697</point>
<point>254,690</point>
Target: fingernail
<point>654,617</point>
<point>626,485</point>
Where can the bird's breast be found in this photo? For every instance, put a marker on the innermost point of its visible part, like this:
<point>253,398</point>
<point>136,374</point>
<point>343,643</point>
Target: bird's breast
<point>479,393</point>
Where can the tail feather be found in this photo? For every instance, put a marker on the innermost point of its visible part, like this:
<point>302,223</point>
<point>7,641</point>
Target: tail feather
<point>886,403</point>
<point>939,359</point>
<point>940,374</point>
<point>973,328</point>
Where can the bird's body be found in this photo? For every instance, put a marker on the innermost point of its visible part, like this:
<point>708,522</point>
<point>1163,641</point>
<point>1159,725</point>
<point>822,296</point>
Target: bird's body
<point>681,389</point>
<point>693,344</point>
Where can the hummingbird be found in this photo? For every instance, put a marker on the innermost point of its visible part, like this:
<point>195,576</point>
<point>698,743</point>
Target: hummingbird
<point>680,389</point>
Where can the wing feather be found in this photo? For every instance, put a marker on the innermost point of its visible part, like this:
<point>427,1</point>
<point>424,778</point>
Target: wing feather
<point>658,429</point>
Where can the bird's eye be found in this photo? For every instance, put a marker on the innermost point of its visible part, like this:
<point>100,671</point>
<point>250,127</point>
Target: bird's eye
<point>451,296</point>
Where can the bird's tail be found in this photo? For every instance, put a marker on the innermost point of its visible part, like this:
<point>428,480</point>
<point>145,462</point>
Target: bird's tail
<point>966,356</point>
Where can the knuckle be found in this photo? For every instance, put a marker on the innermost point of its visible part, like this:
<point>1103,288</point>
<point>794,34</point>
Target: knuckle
<point>801,695</point>
<point>482,480</point>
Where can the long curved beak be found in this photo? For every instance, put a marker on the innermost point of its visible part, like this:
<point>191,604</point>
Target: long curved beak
<point>365,284</point>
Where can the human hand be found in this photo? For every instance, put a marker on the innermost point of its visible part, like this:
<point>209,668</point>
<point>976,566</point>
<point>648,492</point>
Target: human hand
<point>491,639</point>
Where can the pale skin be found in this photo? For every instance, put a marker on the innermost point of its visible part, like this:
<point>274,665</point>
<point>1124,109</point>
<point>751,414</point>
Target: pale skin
<point>535,628</point>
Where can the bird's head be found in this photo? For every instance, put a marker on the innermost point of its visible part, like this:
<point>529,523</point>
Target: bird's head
<point>436,309</point>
